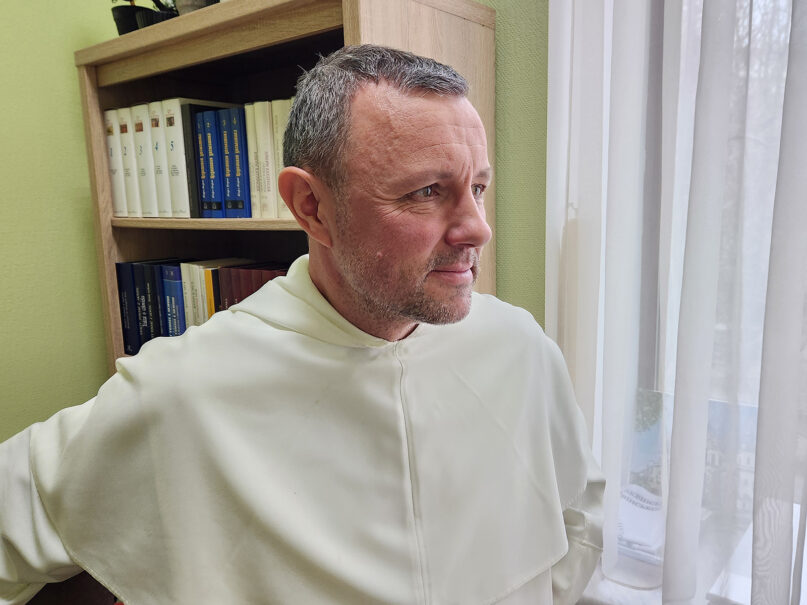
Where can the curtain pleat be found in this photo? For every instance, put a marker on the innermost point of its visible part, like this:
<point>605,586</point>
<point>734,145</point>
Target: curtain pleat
<point>781,411</point>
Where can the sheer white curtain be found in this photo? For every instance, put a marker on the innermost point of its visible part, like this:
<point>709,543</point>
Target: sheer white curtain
<point>676,285</point>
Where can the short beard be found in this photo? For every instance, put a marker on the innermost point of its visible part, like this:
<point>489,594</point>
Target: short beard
<point>415,304</point>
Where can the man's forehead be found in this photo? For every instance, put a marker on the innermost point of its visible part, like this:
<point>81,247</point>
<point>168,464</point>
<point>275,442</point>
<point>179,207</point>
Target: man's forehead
<point>382,102</point>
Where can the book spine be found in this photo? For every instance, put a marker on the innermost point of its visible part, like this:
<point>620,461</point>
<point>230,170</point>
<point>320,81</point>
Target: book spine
<point>251,150</point>
<point>280,118</point>
<point>128,308</point>
<point>216,290</point>
<point>226,157</point>
<point>188,292</point>
<point>210,274</point>
<point>266,162</point>
<point>179,179</point>
<point>203,180</point>
<point>145,160</point>
<point>174,300</point>
<point>199,294</point>
<point>160,158</point>
<point>133,208</point>
<point>214,172</point>
<point>154,288</point>
<point>225,287</point>
<point>115,162</point>
<point>144,318</point>
<point>240,205</point>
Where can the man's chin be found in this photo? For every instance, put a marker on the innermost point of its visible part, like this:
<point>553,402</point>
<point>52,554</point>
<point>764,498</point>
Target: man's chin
<point>441,313</point>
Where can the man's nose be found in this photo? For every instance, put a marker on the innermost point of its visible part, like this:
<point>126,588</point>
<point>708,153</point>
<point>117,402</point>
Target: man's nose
<point>468,226</point>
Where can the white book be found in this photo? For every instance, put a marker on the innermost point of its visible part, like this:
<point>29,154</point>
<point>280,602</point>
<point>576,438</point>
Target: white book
<point>157,123</point>
<point>145,160</point>
<point>115,162</point>
<point>280,117</point>
<point>267,187</point>
<point>189,289</point>
<point>200,297</point>
<point>252,159</point>
<point>127,146</point>
<point>177,168</point>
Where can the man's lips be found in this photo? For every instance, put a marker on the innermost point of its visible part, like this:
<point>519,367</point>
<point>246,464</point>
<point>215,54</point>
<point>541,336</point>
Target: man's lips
<point>455,274</point>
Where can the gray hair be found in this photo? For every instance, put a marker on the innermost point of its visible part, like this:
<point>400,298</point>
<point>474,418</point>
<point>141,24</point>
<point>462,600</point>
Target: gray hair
<point>318,128</point>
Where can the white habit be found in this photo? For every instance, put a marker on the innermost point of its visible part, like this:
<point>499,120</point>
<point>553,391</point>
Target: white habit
<point>280,455</point>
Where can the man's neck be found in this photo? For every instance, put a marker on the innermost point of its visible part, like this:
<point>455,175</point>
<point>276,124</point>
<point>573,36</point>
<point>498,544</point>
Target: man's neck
<point>330,284</point>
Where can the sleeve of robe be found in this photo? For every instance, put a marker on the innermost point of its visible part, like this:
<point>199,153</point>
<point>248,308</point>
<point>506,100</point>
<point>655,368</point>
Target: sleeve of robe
<point>31,551</point>
<point>581,494</point>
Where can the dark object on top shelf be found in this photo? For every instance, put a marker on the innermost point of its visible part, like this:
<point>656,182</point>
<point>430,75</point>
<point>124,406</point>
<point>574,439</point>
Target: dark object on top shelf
<point>129,17</point>
<point>150,17</point>
<point>186,6</point>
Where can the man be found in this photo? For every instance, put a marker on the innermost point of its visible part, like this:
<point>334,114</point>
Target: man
<point>365,430</point>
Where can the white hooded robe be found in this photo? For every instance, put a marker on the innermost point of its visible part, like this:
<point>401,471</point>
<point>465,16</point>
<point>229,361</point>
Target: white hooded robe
<point>278,454</point>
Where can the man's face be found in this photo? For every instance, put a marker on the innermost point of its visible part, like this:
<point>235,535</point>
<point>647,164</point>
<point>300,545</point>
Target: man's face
<point>411,220</point>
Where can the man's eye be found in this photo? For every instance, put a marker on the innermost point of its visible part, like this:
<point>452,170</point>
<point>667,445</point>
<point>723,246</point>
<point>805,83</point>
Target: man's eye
<point>426,192</point>
<point>478,190</point>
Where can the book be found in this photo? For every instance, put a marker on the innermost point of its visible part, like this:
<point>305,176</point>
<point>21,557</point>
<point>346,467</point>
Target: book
<point>129,162</point>
<point>225,288</point>
<point>160,158</point>
<point>226,158</point>
<point>202,181</point>
<point>148,319</point>
<point>182,147</point>
<point>238,204</point>
<point>155,277</point>
<point>267,176</point>
<point>252,156</point>
<point>174,302</point>
<point>215,207</point>
<point>128,308</point>
<point>281,109</point>
<point>144,158</point>
<point>189,293</point>
<point>112,128</point>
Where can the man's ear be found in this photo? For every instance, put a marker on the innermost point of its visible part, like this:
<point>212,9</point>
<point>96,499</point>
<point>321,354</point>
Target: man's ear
<point>309,200</point>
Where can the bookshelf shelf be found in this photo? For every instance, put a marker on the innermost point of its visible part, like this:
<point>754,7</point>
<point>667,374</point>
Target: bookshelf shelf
<point>247,50</point>
<point>208,224</point>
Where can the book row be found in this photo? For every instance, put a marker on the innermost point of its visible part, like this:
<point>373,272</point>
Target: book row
<point>164,297</point>
<point>186,158</point>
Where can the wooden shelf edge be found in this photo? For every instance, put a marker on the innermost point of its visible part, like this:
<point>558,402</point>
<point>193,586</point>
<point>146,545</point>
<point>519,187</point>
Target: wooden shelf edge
<point>209,224</point>
<point>220,16</point>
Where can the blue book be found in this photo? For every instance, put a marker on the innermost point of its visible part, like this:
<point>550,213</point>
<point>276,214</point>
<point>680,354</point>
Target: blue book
<point>239,203</point>
<point>156,317</point>
<point>128,308</point>
<point>204,181</point>
<point>214,173</point>
<point>226,149</point>
<point>155,276</point>
<point>174,300</point>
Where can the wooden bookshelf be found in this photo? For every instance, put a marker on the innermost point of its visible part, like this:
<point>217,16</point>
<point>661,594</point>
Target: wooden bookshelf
<point>245,50</point>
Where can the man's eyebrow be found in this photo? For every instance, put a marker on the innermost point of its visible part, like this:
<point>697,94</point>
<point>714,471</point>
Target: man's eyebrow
<point>485,173</point>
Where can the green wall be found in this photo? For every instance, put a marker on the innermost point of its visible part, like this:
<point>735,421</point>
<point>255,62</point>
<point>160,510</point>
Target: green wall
<point>52,345</point>
<point>52,351</point>
<point>521,62</point>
